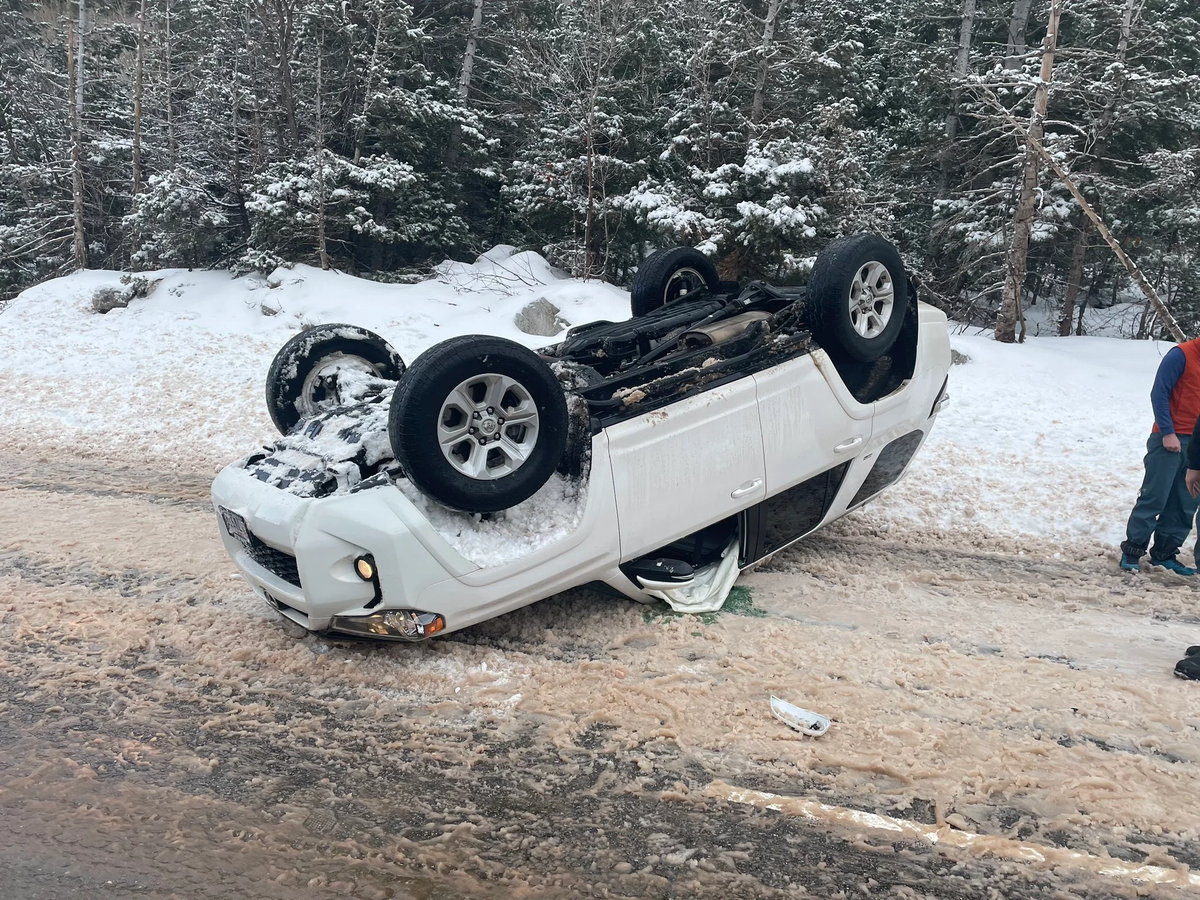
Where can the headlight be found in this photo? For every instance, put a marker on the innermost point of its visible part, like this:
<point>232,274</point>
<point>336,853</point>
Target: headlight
<point>391,625</point>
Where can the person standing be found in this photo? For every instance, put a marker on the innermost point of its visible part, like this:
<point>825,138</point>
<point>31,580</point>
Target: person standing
<point>1189,666</point>
<point>1165,507</point>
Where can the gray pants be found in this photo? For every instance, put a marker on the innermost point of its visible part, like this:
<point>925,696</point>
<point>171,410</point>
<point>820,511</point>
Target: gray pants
<point>1164,507</point>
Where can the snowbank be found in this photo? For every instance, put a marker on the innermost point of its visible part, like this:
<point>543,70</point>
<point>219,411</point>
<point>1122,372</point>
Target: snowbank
<point>181,372</point>
<point>1042,439</point>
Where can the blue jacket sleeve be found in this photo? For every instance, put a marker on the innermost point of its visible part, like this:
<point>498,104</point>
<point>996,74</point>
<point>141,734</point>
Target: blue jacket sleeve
<point>1169,370</point>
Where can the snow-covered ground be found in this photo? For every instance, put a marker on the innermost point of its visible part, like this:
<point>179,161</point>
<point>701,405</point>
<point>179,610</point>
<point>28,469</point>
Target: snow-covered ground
<point>1042,439</point>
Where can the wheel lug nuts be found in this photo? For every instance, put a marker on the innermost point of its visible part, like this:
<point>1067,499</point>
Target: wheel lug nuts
<point>472,429</point>
<point>476,415</point>
<point>490,410</point>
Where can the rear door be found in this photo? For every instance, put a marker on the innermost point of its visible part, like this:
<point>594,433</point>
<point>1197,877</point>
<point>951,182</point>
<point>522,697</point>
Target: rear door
<point>813,430</point>
<point>687,465</point>
<point>810,423</point>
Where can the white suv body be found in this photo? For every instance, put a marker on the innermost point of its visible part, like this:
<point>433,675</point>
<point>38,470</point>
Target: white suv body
<point>775,454</point>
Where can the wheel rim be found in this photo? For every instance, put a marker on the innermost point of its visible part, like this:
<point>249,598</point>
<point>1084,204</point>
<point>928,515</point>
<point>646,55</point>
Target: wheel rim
<point>683,281</point>
<point>872,300</point>
<point>488,426</point>
<point>320,390</point>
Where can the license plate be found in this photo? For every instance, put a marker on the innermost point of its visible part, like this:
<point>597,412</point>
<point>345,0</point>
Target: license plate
<point>236,526</point>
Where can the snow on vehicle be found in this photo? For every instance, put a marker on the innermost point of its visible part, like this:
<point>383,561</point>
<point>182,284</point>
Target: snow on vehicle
<point>651,458</point>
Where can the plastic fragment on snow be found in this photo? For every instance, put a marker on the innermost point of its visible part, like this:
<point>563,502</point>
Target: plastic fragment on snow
<point>803,720</point>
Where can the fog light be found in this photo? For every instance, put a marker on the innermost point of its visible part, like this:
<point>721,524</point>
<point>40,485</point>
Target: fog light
<point>392,625</point>
<point>365,567</point>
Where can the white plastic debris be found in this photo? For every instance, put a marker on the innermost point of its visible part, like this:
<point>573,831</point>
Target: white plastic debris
<point>708,590</point>
<point>803,720</point>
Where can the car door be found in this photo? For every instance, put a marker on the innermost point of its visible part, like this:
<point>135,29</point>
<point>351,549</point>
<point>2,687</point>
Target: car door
<point>687,465</point>
<point>807,427</point>
<point>813,432</point>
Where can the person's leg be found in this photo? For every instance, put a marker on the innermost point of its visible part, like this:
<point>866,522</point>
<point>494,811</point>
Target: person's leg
<point>1161,468</point>
<point>1175,521</point>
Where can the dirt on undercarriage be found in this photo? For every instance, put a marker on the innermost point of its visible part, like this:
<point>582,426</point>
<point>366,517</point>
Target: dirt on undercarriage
<point>1003,725</point>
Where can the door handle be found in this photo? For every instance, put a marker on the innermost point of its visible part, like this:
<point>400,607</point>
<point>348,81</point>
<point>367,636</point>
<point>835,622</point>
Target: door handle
<point>748,488</point>
<point>848,445</point>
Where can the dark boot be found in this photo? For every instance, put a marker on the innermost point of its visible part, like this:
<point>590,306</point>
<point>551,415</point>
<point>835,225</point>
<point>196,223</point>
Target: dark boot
<point>1189,668</point>
<point>1173,565</point>
<point>1163,554</point>
<point>1131,555</point>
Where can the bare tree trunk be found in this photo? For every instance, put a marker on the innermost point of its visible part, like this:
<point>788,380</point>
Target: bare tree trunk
<point>80,31</point>
<point>764,60</point>
<point>604,39</point>
<point>468,63</point>
<point>1074,279</point>
<point>1079,251</point>
<point>360,133</point>
<point>588,254</point>
<point>1130,266</point>
<point>236,136</point>
<point>75,74</point>
<point>284,12</point>
<point>962,65</point>
<point>139,83</point>
<point>1093,292</point>
<point>1014,53</point>
<point>1110,107</point>
<point>277,18</point>
<point>322,249</point>
<point>6,126</point>
<point>1018,254</point>
<point>1087,298</point>
<point>170,85</point>
<point>464,82</point>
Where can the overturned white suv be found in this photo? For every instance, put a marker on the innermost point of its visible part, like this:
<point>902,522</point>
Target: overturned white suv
<point>647,458</point>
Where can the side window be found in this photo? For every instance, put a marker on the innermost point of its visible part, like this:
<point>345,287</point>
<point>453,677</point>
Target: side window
<point>888,466</point>
<point>782,519</point>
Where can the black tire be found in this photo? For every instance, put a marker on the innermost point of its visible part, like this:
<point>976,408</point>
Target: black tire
<point>666,275</point>
<point>832,290</point>
<point>422,403</point>
<point>308,352</point>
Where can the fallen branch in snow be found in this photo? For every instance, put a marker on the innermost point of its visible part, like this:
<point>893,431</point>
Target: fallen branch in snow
<point>1134,272</point>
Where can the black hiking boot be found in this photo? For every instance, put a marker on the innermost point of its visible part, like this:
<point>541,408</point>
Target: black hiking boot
<point>1189,667</point>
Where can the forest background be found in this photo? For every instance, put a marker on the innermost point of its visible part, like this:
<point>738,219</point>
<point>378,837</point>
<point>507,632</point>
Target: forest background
<point>381,137</point>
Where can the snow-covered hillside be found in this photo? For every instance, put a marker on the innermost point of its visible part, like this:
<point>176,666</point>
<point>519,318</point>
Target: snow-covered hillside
<point>1043,439</point>
<point>181,372</point>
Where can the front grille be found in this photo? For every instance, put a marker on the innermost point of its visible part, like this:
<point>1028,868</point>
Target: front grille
<point>274,561</point>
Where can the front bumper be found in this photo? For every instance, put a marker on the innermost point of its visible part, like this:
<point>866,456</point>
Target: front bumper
<point>299,553</point>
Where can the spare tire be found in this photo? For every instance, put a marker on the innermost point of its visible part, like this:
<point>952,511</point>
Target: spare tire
<point>857,296</point>
<point>667,275</point>
<point>303,378</point>
<point>478,423</point>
